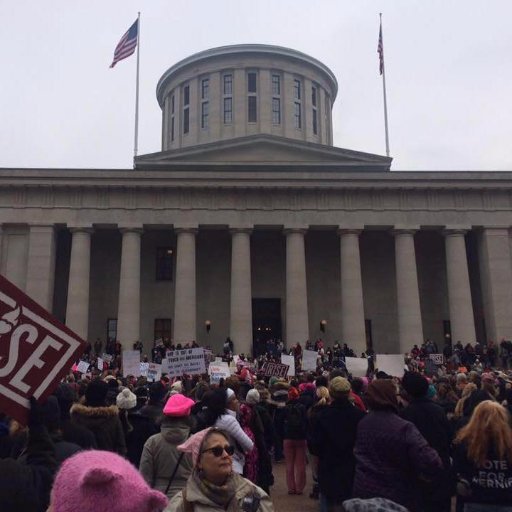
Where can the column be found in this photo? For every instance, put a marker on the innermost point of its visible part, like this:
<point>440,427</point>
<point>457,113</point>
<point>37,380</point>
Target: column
<point>410,329</point>
<point>185,288</point>
<point>459,291</point>
<point>41,265</point>
<point>297,326</point>
<point>496,277</point>
<point>352,308</point>
<point>241,296</point>
<point>128,312</point>
<point>77,310</point>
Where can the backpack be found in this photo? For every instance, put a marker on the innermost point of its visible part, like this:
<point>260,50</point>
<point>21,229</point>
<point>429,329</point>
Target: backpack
<point>295,423</point>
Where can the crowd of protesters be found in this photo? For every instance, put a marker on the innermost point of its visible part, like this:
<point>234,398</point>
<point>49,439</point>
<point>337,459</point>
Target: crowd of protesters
<point>103,441</point>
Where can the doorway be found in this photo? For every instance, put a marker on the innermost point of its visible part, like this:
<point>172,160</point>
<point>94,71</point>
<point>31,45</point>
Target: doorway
<point>266,323</point>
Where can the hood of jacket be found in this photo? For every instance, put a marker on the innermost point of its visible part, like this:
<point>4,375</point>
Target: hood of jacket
<point>96,416</point>
<point>175,432</point>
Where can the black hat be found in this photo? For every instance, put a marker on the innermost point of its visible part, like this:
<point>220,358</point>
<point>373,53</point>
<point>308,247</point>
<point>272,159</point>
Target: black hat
<point>415,384</point>
<point>96,393</point>
<point>156,392</point>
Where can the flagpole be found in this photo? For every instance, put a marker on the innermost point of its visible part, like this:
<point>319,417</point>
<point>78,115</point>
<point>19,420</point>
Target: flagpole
<point>383,89</point>
<point>136,138</point>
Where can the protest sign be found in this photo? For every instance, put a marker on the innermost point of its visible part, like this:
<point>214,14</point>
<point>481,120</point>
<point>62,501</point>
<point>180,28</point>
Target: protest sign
<point>154,372</point>
<point>131,363</point>
<point>392,364</point>
<point>189,361</point>
<point>275,370</point>
<point>107,357</point>
<point>357,366</point>
<point>82,367</point>
<point>218,371</point>
<point>290,361</point>
<point>437,359</point>
<point>99,364</point>
<point>144,369</point>
<point>36,351</point>
<point>309,358</point>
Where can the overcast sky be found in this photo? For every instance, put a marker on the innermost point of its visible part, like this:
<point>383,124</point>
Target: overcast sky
<point>448,72</point>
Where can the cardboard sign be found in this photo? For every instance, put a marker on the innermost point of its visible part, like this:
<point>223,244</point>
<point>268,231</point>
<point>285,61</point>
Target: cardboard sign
<point>154,372</point>
<point>83,367</point>
<point>290,361</point>
<point>392,364</point>
<point>275,370</point>
<point>189,361</point>
<point>356,366</point>
<point>36,351</point>
<point>437,359</point>
<point>131,363</point>
<point>218,371</point>
<point>309,358</point>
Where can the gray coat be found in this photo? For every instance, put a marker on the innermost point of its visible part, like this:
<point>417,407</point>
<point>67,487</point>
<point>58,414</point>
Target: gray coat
<point>160,456</point>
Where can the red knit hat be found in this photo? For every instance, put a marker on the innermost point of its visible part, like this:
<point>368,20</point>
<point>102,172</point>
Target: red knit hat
<point>293,393</point>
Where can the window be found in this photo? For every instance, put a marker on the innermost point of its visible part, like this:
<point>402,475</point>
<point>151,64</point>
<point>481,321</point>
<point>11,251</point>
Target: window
<point>251,82</point>
<point>228,110</point>
<point>163,329</point>
<point>251,114</point>
<point>172,117</point>
<point>297,115</point>
<point>276,111</point>
<point>228,84</point>
<point>205,86</point>
<point>204,114</point>
<point>112,329</point>
<point>314,112</point>
<point>186,109</point>
<point>164,264</point>
<point>172,104</point>
<point>276,85</point>
<point>297,89</point>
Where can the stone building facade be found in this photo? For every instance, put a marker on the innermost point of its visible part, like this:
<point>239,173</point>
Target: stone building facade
<point>250,224</point>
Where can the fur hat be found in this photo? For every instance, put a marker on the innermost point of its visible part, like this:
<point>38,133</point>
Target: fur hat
<point>96,393</point>
<point>98,480</point>
<point>178,405</point>
<point>252,397</point>
<point>126,399</point>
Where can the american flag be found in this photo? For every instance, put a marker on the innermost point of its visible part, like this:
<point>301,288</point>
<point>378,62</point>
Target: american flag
<point>380,51</point>
<point>127,44</point>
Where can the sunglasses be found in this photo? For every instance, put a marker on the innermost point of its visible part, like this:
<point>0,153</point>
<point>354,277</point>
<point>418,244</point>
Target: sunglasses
<point>219,450</point>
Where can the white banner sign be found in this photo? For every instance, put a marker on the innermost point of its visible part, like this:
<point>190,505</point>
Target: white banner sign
<point>99,364</point>
<point>154,372</point>
<point>392,364</point>
<point>82,367</point>
<point>144,369</point>
<point>189,361</point>
<point>357,366</point>
<point>290,361</point>
<point>309,358</point>
<point>131,363</point>
<point>218,371</point>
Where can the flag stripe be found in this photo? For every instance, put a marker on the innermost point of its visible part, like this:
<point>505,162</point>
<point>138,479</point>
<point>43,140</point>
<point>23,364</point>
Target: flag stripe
<point>127,44</point>
<point>380,51</point>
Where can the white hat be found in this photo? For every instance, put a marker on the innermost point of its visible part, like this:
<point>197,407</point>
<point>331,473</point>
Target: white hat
<point>126,399</point>
<point>230,394</point>
<point>253,397</point>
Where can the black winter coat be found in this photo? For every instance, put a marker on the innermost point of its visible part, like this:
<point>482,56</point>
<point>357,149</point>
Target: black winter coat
<point>332,439</point>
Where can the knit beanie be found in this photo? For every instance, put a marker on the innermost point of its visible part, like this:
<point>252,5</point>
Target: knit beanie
<point>381,395</point>
<point>415,384</point>
<point>252,397</point>
<point>126,399</point>
<point>100,481</point>
<point>96,393</point>
<point>339,387</point>
<point>372,505</point>
<point>293,393</point>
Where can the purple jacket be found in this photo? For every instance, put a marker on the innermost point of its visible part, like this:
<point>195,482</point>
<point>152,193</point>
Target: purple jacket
<point>390,456</point>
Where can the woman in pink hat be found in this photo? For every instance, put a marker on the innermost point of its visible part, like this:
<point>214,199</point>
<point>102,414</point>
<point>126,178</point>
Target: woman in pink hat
<point>163,467</point>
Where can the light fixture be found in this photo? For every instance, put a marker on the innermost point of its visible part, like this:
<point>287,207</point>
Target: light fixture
<point>323,323</point>
<point>208,325</point>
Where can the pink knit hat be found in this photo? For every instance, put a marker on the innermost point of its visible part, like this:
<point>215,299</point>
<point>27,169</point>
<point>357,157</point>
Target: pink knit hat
<point>99,481</point>
<point>178,405</point>
<point>193,444</point>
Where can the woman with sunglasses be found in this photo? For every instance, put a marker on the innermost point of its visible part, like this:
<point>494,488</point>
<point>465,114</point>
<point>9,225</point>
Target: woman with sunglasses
<point>213,485</point>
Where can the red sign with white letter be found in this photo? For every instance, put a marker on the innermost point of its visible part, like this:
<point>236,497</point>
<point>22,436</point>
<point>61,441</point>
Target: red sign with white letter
<point>36,351</point>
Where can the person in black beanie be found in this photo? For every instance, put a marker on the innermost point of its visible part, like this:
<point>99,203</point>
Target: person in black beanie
<point>154,409</point>
<point>430,419</point>
<point>102,420</point>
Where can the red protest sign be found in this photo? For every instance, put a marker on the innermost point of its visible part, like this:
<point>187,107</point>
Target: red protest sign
<point>36,351</point>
